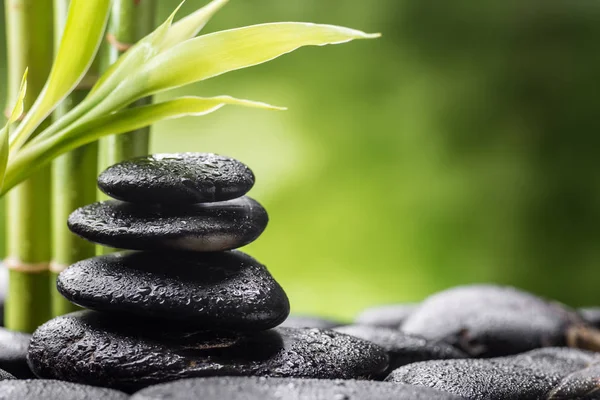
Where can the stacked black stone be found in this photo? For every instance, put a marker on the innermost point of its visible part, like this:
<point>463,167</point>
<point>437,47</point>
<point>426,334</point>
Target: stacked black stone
<point>186,303</point>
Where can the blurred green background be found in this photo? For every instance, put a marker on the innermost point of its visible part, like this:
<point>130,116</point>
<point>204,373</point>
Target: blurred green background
<point>462,146</point>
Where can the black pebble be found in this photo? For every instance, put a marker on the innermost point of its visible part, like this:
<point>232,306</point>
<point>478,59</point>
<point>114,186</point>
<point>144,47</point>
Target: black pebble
<point>197,227</point>
<point>387,316</point>
<point>591,315</point>
<point>533,375</point>
<point>42,389</point>
<point>254,388</point>
<point>489,321</point>
<point>182,178</point>
<point>13,353</point>
<point>225,290</point>
<point>402,348</point>
<point>124,353</point>
<point>309,321</point>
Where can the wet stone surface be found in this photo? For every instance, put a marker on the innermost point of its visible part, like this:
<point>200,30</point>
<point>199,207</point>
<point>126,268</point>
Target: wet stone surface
<point>13,353</point>
<point>253,388</point>
<point>308,321</point>
<point>387,316</point>
<point>123,353</point>
<point>488,321</point>
<point>402,348</point>
<point>226,290</point>
<point>43,389</point>
<point>180,178</point>
<point>591,315</point>
<point>551,373</point>
<point>198,227</point>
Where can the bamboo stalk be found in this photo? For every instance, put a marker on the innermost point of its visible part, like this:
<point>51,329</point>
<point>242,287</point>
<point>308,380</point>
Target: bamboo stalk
<point>73,186</point>
<point>130,20</point>
<point>29,43</point>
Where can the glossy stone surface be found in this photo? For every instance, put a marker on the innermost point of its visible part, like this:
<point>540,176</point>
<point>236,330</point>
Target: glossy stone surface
<point>124,353</point>
<point>180,178</point>
<point>387,316</point>
<point>591,315</point>
<point>197,227</point>
<point>254,388</point>
<point>43,389</point>
<point>538,374</point>
<point>488,321</point>
<point>225,290</point>
<point>309,321</point>
<point>13,353</point>
<point>402,348</point>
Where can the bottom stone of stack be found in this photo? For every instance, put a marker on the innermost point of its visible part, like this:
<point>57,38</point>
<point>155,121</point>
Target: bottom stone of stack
<point>125,353</point>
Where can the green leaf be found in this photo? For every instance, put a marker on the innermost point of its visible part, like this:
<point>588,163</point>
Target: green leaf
<point>16,113</point>
<point>188,27</point>
<point>82,35</point>
<point>34,156</point>
<point>17,110</point>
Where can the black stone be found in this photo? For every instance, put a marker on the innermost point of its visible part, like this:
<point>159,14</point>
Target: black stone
<point>225,290</point>
<point>46,389</point>
<point>255,388</point>
<point>198,227</point>
<point>591,315</point>
<point>3,290</point>
<point>309,321</point>
<point>402,348</point>
<point>534,375</point>
<point>387,316</point>
<point>103,350</point>
<point>13,353</point>
<point>181,178</point>
<point>488,321</point>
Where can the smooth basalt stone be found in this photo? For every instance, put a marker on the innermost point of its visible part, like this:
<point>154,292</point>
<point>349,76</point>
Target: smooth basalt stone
<point>225,290</point>
<point>402,348</point>
<point>3,290</point>
<point>13,353</point>
<point>488,321</point>
<point>181,178</point>
<point>260,388</point>
<point>198,227</point>
<point>104,350</point>
<point>309,321</point>
<point>46,389</point>
<point>387,316</point>
<point>537,374</point>
<point>591,315</point>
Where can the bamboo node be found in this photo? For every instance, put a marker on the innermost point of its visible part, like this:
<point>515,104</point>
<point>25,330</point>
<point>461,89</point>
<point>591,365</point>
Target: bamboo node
<point>15,264</point>
<point>57,267</point>
<point>120,46</point>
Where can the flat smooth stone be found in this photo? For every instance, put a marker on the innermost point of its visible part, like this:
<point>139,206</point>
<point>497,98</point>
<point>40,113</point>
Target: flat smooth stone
<point>45,389</point>
<point>533,375</point>
<point>309,321</point>
<point>128,354</point>
<point>13,353</point>
<point>387,316</point>
<point>179,178</point>
<point>489,321</point>
<point>198,227</point>
<point>402,348</point>
<point>260,388</point>
<point>225,290</point>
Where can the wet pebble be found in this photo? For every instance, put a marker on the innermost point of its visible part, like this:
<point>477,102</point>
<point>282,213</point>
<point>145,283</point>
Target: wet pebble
<point>180,178</point>
<point>13,353</point>
<point>47,389</point>
<point>310,321</point>
<point>488,321</point>
<point>387,316</point>
<point>254,388</point>
<point>225,290</point>
<point>547,373</point>
<point>124,353</point>
<point>402,348</point>
<point>197,227</point>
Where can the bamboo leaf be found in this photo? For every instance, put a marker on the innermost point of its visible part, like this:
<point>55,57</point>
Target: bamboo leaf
<point>34,156</point>
<point>16,113</point>
<point>17,110</point>
<point>190,26</point>
<point>82,35</point>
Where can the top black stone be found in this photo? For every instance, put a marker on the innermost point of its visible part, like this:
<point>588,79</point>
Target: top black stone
<point>254,388</point>
<point>180,178</point>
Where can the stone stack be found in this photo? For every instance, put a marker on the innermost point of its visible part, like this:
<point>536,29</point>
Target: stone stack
<point>184,303</point>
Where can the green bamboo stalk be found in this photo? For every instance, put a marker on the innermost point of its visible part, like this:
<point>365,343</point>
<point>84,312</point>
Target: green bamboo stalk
<point>73,185</point>
<point>130,20</point>
<point>29,44</point>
